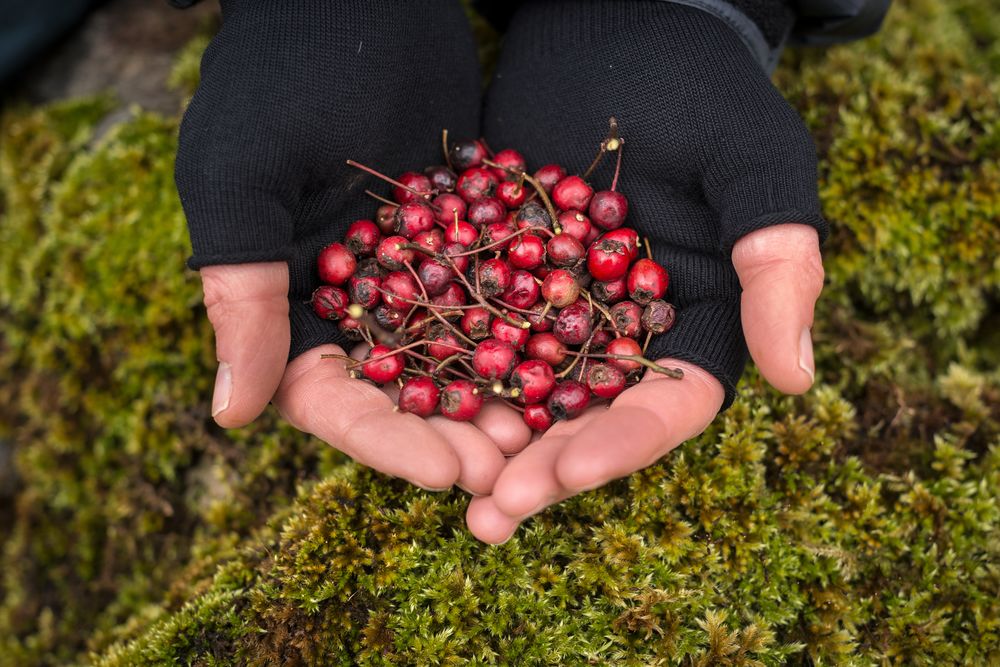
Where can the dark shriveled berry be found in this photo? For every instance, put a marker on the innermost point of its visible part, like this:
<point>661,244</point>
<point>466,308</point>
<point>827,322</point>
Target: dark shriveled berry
<point>330,302</point>
<point>388,318</point>
<point>494,277</point>
<point>533,214</point>
<point>365,291</point>
<point>441,177</point>
<point>465,154</point>
<point>476,183</point>
<point>658,317</point>
<point>627,316</point>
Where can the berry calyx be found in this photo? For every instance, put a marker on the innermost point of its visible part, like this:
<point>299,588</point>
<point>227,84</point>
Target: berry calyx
<point>647,280</point>
<point>568,399</point>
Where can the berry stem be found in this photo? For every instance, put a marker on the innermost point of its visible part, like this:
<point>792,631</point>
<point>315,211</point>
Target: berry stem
<point>539,190</point>
<point>444,148</point>
<point>618,165</point>
<point>675,373</point>
<point>377,174</point>
<point>477,295</point>
<point>382,199</point>
<point>610,143</point>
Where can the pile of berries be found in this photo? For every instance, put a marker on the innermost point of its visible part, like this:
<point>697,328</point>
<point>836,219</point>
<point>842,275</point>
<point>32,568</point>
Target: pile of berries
<point>479,280</point>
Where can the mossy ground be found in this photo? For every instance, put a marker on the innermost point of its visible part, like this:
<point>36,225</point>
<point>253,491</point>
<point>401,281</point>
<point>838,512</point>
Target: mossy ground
<point>857,525</point>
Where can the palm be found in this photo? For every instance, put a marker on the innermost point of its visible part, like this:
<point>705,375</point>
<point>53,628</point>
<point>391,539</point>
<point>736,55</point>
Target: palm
<point>605,443</point>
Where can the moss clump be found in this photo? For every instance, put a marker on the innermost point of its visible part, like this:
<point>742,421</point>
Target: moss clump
<point>858,525</point>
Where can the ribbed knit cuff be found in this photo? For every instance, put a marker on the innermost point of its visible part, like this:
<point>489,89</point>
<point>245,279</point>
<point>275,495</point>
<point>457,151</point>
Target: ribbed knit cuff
<point>708,335</point>
<point>309,331</point>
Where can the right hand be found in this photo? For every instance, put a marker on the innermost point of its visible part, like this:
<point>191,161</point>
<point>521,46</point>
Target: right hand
<point>289,92</point>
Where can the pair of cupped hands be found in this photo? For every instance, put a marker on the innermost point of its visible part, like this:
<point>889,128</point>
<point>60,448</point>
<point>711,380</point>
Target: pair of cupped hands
<point>719,171</point>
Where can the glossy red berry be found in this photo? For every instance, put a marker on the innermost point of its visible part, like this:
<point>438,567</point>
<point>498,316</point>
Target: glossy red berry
<point>522,292</point>
<point>412,218</point>
<point>435,276</point>
<point>511,193</point>
<point>476,183</point>
<point>461,400</point>
<point>456,251</point>
<point>510,159</point>
<point>537,417</point>
<point>392,252</point>
<point>330,302</point>
<point>442,178</point>
<point>493,277</point>
<point>417,182</point>
<point>560,288</point>
<point>475,323</point>
<point>608,209</point>
<point>452,296</point>
<point>432,239</point>
<point>499,233</point>
<point>535,379</point>
<point>624,347</point>
<point>573,324</point>
<point>605,381</point>
<point>627,316</point>
<point>494,359</point>
<point>546,347</point>
<point>568,399</point>
<point>541,317</point>
<point>564,250</point>
<point>572,192</point>
<point>398,288</point>
<point>381,365</point>
<point>385,218</point>
<point>575,224</point>
<point>658,317</point>
<point>362,238</point>
<point>516,335</point>
<point>461,232</point>
<point>448,204</point>
<point>549,175</point>
<point>485,211</point>
<point>627,237</point>
<point>465,154</point>
<point>443,343</point>
<point>419,395</point>
<point>607,260</point>
<point>647,280</point>
<point>527,251</point>
<point>609,291</point>
<point>336,264</point>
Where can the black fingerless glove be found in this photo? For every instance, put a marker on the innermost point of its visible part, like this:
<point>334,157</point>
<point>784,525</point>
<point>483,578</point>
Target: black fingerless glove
<point>292,89</point>
<point>712,150</point>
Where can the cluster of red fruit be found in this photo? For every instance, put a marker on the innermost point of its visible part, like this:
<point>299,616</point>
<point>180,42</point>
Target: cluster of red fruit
<point>493,282</point>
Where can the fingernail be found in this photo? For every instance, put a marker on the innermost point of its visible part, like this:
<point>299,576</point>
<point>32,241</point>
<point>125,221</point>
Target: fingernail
<point>223,388</point>
<point>806,362</point>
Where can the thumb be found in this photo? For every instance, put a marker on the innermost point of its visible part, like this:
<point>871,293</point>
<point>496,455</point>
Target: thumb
<point>781,271</point>
<point>248,307</point>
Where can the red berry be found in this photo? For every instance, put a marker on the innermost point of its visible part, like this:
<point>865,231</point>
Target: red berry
<point>336,264</point>
<point>574,324</point>
<point>330,303</point>
<point>511,159</point>
<point>560,288</point>
<point>465,154</point>
<point>397,286</point>
<point>527,251</point>
<point>625,347</point>
<point>535,379</point>
<point>412,218</point>
<point>533,214</point>
<point>609,291</point>
<point>575,224</point>
<point>448,205</point>
<point>494,359</point>
<point>382,365</point>
<point>605,380</point>
<point>537,417</point>
<point>453,295</point>
<point>455,250</point>
<point>647,280</point>
<point>435,276</point>
<point>475,323</point>
<point>461,400</point>
<point>442,178</point>
<point>511,193</point>
<point>419,395</point>
<point>485,211</point>
<point>432,239</point>
<point>628,237</point>
<point>461,232</point>
<point>443,343</point>
<point>568,399</point>
<point>608,209</point>
<point>546,347</point>
<point>392,253</point>
<point>522,292</point>
<point>658,317</point>
<point>517,336</point>
<point>607,260</point>
<point>494,277</point>
<point>564,250</point>
<point>572,192</point>
<point>627,317</point>
<point>599,340</point>
<point>362,237</point>
<point>365,291</point>
<point>476,183</point>
<point>549,175</point>
<point>385,218</point>
<point>351,328</point>
<point>542,316</point>
<point>416,181</point>
<point>498,232</point>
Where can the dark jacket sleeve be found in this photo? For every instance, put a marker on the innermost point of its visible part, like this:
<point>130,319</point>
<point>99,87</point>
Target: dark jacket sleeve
<point>821,22</point>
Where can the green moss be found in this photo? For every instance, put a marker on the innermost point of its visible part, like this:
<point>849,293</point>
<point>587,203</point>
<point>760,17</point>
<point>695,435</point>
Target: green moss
<point>857,525</point>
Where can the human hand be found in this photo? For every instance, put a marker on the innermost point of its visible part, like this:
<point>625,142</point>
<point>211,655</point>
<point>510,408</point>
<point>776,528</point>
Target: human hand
<point>721,177</point>
<point>289,92</point>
